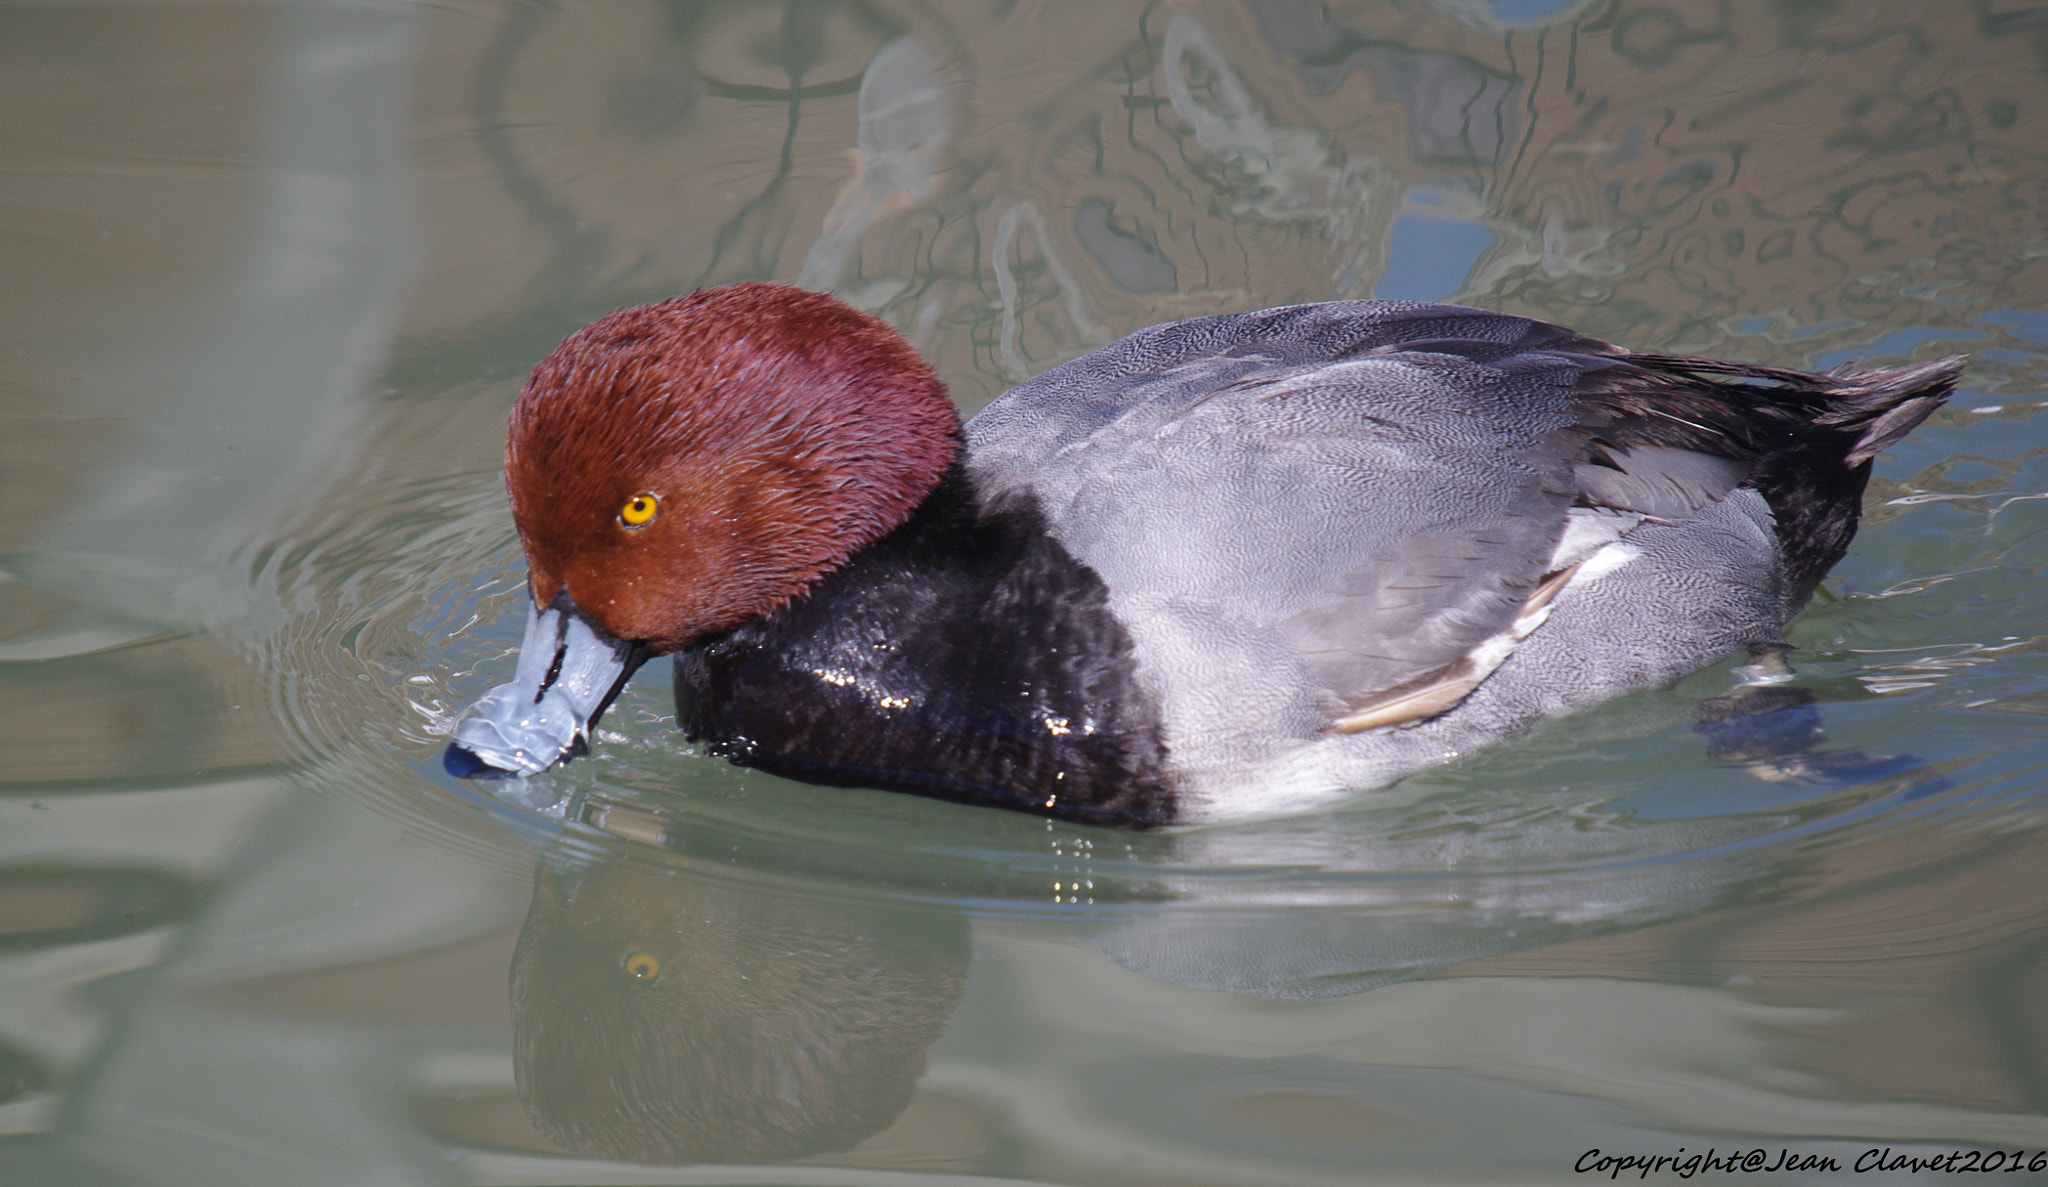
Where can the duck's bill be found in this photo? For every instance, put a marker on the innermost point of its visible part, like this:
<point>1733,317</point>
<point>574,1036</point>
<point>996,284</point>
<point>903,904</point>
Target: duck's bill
<point>569,670</point>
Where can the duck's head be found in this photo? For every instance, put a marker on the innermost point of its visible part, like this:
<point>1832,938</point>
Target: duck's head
<point>680,468</point>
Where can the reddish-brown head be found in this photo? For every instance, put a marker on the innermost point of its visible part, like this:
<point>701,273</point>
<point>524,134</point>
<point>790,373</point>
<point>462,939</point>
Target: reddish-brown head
<point>685,466</point>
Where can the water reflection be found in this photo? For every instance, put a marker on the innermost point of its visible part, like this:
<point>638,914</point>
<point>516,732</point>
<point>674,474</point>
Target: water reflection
<point>669,1010</point>
<point>665,1018</point>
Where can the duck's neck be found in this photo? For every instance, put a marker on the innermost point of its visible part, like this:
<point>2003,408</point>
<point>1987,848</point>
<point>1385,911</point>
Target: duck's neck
<point>965,655</point>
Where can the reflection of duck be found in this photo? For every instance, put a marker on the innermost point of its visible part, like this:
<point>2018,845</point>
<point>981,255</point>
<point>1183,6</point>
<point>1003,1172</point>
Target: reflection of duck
<point>1227,565</point>
<point>658,1020</point>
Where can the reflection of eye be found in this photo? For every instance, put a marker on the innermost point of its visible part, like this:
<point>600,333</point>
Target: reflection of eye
<point>642,967</point>
<point>639,509</point>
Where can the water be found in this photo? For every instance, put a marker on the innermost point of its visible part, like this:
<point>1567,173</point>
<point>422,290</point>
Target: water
<point>274,274</point>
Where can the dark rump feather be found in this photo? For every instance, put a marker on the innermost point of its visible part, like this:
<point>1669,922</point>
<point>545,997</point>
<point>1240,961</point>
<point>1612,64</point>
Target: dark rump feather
<point>1806,438</point>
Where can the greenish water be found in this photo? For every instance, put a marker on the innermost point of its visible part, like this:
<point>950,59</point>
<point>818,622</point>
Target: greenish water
<point>273,274</point>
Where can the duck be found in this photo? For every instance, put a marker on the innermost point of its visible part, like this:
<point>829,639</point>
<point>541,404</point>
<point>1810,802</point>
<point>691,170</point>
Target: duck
<point>1228,566</point>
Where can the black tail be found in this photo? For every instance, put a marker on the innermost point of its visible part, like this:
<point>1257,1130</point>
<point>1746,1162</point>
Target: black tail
<point>1818,433</point>
<point>1816,492</point>
<point>1804,440</point>
<point>1881,407</point>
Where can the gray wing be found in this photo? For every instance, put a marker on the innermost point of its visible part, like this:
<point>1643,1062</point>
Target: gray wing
<point>1392,492</point>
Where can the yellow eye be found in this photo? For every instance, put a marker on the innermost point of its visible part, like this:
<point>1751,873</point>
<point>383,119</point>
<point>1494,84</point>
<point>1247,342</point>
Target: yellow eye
<point>639,509</point>
<point>642,967</point>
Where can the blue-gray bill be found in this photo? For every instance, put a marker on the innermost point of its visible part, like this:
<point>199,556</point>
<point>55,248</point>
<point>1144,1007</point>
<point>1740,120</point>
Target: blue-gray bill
<point>569,671</point>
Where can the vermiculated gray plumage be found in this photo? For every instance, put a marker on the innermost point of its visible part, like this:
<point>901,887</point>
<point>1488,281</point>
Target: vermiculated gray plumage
<point>1330,515</point>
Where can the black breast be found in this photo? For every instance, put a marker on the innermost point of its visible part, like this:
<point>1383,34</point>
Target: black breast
<point>965,656</point>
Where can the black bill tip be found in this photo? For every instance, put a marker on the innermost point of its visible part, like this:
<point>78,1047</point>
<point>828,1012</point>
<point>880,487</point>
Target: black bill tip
<point>463,763</point>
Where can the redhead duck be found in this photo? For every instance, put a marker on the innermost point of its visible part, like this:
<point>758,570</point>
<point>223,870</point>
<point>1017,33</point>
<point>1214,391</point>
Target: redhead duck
<point>1226,566</point>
